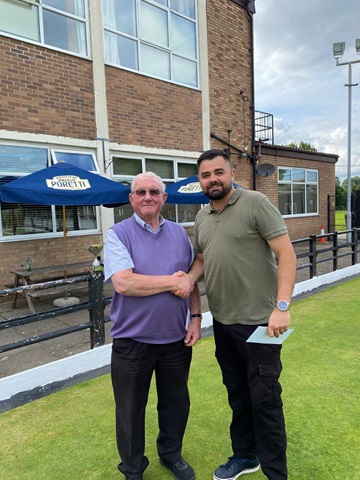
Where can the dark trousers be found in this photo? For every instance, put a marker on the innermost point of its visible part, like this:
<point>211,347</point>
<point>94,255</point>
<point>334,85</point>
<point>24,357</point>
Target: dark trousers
<point>132,367</point>
<point>251,376</point>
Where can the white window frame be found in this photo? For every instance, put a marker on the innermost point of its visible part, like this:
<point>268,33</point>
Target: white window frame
<point>292,206</point>
<point>141,42</point>
<point>41,6</point>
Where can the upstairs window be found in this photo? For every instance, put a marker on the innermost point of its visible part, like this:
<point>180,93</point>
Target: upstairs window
<point>61,24</point>
<point>297,191</point>
<point>154,37</point>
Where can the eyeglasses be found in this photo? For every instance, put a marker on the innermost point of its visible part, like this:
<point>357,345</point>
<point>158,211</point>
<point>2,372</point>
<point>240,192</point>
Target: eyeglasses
<point>154,192</point>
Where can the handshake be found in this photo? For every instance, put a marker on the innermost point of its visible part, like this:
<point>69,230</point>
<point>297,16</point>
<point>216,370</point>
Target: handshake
<point>184,285</point>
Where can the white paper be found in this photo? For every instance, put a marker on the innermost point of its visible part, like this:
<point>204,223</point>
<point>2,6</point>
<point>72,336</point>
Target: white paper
<point>260,335</point>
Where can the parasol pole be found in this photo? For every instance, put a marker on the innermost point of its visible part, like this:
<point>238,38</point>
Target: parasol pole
<point>65,247</point>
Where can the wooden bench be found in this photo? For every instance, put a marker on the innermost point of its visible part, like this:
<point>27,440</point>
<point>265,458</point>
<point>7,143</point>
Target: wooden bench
<point>51,273</point>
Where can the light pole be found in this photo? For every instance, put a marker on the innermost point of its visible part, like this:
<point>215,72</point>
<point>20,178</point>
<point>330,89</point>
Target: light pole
<point>338,52</point>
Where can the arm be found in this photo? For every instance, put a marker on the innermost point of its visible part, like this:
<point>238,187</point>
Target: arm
<point>193,333</point>
<point>128,283</point>
<point>281,246</point>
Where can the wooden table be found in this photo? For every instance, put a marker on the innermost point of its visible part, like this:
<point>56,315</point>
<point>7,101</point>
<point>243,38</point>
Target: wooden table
<point>55,272</point>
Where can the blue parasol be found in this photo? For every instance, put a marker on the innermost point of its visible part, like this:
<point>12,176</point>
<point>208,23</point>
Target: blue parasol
<point>64,184</point>
<point>187,191</point>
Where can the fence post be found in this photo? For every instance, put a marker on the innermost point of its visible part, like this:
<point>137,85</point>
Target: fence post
<point>335,250</point>
<point>96,312</point>
<point>312,255</point>
<point>354,245</point>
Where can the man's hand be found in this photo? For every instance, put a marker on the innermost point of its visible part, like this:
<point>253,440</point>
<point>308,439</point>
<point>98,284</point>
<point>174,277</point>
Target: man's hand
<point>193,333</point>
<point>279,323</point>
<point>184,285</point>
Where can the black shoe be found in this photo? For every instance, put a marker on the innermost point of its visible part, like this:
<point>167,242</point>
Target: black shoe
<point>180,469</point>
<point>137,478</point>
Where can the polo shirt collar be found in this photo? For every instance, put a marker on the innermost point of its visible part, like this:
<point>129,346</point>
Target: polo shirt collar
<point>234,197</point>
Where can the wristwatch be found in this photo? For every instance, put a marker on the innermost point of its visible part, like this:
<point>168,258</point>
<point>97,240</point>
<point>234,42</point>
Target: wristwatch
<point>283,306</point>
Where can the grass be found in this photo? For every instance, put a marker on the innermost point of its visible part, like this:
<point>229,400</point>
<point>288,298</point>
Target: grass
<point>70,434</point>
<point>340,220</point>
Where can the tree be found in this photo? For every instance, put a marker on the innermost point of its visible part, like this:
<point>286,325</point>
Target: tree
<point>302,146</point>
<point>340,193</point>
<point>355,183</point>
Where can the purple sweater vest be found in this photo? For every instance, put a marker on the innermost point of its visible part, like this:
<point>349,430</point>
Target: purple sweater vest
<point>157,318</point>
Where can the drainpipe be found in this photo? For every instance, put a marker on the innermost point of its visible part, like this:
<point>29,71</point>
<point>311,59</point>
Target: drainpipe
<point>252,158</point>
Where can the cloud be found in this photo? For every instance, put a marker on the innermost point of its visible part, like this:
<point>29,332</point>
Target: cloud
<point>296,77</point>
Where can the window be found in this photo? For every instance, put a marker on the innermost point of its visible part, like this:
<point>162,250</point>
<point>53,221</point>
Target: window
<point>124,169</point>
<point>22,221</point>
<point>56,23</point>
<point>156,38</point>
<point>297,191</point>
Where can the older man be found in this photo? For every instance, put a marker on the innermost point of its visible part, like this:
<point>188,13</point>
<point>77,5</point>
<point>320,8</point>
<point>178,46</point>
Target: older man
<point>150,329</point>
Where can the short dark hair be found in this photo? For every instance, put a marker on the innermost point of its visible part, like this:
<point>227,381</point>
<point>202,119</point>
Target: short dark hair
<point>213,153</point>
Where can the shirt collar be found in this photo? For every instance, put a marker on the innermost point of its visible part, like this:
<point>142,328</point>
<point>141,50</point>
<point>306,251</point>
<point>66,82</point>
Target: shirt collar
<point>234,197</point>
<point>145,225</point>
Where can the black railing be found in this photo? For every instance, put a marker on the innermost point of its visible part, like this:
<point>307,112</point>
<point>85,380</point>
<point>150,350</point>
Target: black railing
<point>311,253</point>
<point>325,248</point>
<point>95,305</point>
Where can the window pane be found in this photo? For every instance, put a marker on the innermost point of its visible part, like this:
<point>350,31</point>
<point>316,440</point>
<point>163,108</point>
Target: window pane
<point>155,62</point>
<point>183,36</point>
<point>22,160</point>
<point>20,18</point>
<point>163,168</point>
<point>75,7</point>
<point>187,213</point>
<point>122,212</point>
<point>121,51</point>
<point>298,175</point>
<point>184,71</point>
<point>81,160</point>
<point>186,7</point>
<point>120,15</point>
<point>127,166</point>
<point>284,200</point>
<point>311,176</point>
<point>187,170</point>
<point>25,219</point>
<point>162,2</point>
<point>77,218</point>
<point>311,199</point>
<point>284,174</point>
<point>299,199</point>
<point>64,32</point>
<point>153,25</point>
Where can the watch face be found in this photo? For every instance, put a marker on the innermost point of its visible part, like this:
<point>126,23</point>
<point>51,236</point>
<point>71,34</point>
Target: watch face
<point>282,306</point>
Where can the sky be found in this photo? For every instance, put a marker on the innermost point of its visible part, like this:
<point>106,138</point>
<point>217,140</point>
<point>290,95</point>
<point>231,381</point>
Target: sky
<point>296,77</point>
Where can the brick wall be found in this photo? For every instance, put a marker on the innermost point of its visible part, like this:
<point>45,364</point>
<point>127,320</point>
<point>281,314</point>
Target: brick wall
<point>44,91</point>
<point>152,113</point>
<point>300,227</point>
<point>229,73</point>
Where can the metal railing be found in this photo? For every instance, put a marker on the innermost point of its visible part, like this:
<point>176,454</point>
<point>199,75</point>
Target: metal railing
<point>323,248</point>
<point>311,253</point>
<point>95,305</point>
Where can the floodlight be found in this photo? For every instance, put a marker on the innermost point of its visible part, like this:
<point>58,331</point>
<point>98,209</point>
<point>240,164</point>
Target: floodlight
<point>338,49</point>
<point>357,46</point>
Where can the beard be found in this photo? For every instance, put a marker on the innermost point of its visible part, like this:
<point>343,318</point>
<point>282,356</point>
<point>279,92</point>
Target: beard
<point>222,191</point>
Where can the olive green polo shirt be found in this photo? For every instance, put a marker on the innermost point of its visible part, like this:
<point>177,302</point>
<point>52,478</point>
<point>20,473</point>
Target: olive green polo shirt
<point>240,267</point>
